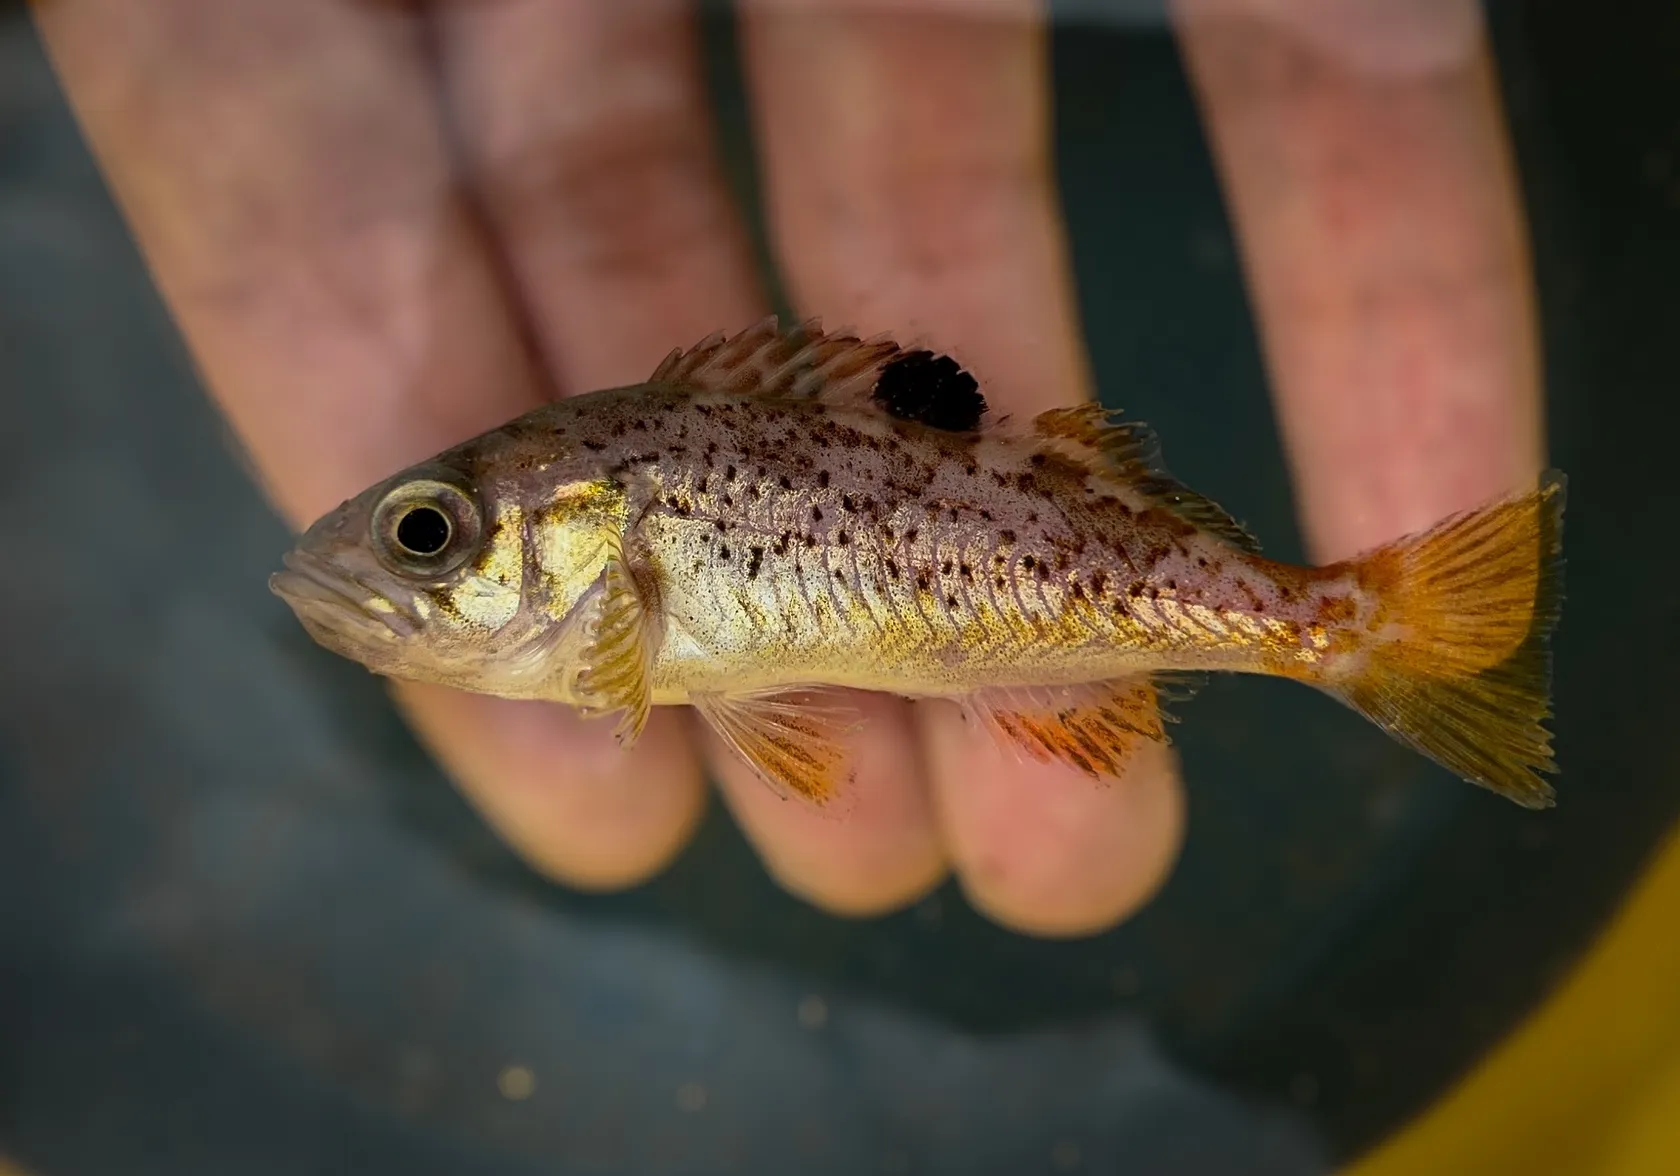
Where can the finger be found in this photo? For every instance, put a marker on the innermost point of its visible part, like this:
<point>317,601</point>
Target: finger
<point>587,133</point>
<point>910,191</point>
<point>295,206</point>
<point>878,850</point>
<point>1126,834</point>
<point>600,818</point>
<point>1366,164</point>
<point>588,129</point>
<point>290,187</point>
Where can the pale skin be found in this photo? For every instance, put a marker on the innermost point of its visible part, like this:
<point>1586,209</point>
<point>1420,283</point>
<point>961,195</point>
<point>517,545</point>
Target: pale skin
<point>287,172</point>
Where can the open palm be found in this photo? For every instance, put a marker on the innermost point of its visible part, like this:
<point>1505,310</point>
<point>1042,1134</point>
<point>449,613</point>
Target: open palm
<point>385,227</point>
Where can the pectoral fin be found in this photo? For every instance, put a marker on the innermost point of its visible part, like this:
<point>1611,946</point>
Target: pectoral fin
<point>1095,727</point>
<point>792,740</point>
<point>618,661</point>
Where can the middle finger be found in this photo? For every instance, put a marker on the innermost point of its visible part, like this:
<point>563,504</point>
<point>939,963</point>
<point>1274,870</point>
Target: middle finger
<point>910,185</point>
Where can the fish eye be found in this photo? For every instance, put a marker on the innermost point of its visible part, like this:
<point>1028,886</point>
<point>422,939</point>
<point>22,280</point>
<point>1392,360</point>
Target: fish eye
<point>427,526</point>
<point>423,530</point>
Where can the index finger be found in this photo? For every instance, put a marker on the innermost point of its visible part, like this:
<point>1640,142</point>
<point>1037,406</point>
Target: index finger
<point>287,180</point>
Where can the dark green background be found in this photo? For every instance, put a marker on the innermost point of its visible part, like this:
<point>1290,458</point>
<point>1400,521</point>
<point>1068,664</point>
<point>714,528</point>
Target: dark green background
<point>246,927</point>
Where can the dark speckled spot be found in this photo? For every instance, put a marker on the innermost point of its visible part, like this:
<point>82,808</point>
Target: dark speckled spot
<point>931,390</point>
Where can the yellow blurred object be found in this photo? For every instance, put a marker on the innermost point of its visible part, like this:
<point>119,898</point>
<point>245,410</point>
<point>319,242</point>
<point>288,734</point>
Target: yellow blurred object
<point>1590,1085</point>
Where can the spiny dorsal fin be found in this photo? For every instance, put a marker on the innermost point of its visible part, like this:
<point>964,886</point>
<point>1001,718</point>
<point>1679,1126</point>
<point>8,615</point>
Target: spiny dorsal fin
<point>1131,449</point>
<point>765,360</point>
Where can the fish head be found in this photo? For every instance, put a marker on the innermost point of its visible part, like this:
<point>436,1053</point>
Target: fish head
<point>424,576</point>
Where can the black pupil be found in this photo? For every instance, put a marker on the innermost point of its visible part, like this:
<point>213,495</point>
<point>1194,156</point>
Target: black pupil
<point>423,530</point>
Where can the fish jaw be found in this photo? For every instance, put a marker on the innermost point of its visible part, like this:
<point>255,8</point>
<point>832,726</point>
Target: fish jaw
<point>339,612</point>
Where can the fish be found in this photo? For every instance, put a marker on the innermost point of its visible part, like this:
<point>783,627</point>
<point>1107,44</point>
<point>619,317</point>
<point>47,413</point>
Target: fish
<point>776,517</point>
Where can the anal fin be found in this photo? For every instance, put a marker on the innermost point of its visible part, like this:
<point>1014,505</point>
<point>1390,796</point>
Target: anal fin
<point>619,658</point>
<point>791,739</point>
<point>1095,727</point>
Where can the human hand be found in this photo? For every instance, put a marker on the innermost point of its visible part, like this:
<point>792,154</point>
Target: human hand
<point>360,295</point>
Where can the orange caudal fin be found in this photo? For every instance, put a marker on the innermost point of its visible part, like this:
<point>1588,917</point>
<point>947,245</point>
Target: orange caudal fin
<point>1461,665</point>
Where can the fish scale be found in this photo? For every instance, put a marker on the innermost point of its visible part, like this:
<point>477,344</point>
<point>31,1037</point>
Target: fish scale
<point>760,512</point>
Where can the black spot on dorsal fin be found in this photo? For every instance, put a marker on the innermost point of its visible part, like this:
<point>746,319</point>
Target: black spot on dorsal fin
<point>932,390</point>
<point>804,362</point>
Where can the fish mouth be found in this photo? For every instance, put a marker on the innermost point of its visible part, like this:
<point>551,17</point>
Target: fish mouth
<point>331,601</point>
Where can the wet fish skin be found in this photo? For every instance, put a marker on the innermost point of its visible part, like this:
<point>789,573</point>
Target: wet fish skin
<point>784,512</point>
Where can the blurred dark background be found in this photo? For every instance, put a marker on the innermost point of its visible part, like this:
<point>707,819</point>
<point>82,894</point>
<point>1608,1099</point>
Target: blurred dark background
<point>246,926</point>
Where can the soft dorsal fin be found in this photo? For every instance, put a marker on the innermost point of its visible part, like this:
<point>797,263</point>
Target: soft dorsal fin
<point>803,361</point>
<point>1089,428</point>
<point>1090,433</point>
